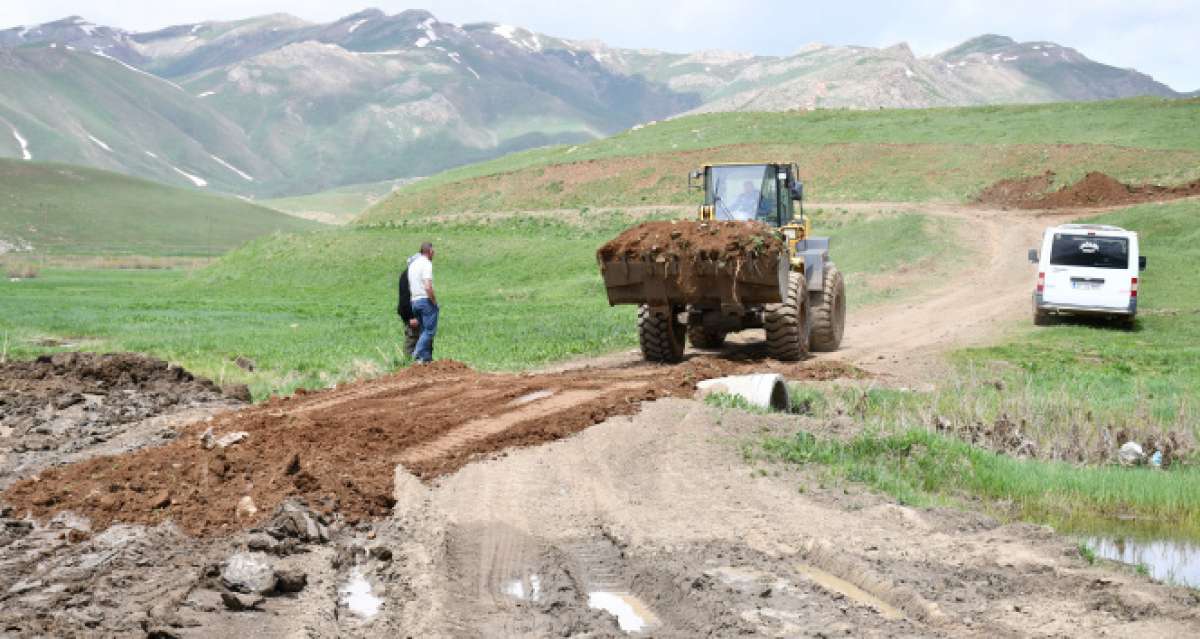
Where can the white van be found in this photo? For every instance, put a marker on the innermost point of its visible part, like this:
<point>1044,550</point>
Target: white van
<point>1087,269</point>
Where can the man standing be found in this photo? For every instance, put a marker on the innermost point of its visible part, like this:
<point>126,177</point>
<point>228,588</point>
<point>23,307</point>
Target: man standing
<point>424,302</point>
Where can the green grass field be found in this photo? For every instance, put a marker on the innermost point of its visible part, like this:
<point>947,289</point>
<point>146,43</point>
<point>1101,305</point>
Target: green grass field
<point>1062,397</point>
<point>316,308</point>
<point>888,155</point>
<point>69,210</point>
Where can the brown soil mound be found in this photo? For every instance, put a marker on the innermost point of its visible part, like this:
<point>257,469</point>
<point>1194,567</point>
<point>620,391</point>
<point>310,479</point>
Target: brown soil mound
<point>65,402</point>
<point>338,448</point>
<point>1009,192</point>
<point>1095,189</point>
<point>693,239</point>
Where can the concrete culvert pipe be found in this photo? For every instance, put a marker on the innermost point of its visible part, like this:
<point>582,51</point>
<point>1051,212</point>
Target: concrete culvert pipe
<point>764,390</point>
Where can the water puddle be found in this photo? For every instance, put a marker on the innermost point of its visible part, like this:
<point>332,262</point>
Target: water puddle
<point>834,583</point>
<point>632,615</point>
<point>1173,562</point>
<point>529,588</point>
<point>531,397</point>
<point>357,596</point>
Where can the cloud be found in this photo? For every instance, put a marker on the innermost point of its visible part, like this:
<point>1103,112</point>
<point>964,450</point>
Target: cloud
<point>1154,36</point>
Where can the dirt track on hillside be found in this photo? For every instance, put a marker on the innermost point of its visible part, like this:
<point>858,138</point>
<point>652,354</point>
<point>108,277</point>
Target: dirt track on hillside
<point>496,505</point>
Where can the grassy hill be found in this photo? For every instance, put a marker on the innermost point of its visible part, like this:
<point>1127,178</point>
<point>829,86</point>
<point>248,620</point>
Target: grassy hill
<point>63,209</point>
<point>335,206</point>
<point>892,155</point>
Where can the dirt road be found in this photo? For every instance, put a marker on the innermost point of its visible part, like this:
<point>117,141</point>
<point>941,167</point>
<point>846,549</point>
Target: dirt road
<point>596,500</point>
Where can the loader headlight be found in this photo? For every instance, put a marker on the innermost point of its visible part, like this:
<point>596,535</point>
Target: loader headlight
<point>790,234</point>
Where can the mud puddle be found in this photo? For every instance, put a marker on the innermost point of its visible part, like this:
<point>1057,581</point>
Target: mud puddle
<point>1171,562</point>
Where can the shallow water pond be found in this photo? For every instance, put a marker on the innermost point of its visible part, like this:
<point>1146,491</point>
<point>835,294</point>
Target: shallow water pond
<point>1173,562</point>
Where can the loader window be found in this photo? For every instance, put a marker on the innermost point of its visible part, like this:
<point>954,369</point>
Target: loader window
<point>743,193</point>
<point>1089,251</point>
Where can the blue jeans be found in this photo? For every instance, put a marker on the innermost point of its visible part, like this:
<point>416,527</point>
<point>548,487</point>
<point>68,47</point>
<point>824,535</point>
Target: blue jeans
<point>427,315</point>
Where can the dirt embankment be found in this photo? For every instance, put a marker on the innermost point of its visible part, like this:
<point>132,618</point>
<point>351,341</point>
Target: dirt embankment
<point>693,239</point>
<point>1095,189</point>
<point>64,404</point>
<point>338,448</point>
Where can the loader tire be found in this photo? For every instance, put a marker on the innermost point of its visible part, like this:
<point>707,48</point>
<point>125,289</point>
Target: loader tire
<point>829,316</point>
<point>662,339</point>
<point>701,337</point>
<point>788,323</point>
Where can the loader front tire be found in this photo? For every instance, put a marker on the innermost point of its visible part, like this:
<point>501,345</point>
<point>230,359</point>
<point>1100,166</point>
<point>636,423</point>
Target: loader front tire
<point>662,338</point>
<point>788,323</point>
<point>829,315</point>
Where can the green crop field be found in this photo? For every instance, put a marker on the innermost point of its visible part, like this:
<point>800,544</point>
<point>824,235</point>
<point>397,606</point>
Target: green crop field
<point>315,308</point>
<point>889,155</point>
<point>69,210</point>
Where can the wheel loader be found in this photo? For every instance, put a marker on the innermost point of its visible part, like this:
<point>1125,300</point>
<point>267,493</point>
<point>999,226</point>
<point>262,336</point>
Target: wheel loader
<point>797,296</point>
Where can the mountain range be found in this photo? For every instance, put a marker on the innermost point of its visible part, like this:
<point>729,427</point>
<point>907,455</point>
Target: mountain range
<point>275,105</point>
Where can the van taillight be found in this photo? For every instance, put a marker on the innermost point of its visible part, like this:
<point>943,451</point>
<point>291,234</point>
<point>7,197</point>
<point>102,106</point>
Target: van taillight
<point>1041,287</point>
<point>1133,287</point>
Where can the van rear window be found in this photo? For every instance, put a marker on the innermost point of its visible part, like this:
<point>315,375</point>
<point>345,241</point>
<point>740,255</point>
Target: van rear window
<point>1089,251</point>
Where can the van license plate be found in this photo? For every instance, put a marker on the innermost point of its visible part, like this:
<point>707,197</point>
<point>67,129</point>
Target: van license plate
<point>1084,285</point>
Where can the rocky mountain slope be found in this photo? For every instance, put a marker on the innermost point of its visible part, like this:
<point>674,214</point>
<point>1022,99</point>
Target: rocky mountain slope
<point>275,105</point>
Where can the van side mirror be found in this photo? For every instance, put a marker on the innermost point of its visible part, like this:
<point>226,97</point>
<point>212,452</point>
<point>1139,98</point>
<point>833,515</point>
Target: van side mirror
<point>1141,262</point>
<point>1033,256</point>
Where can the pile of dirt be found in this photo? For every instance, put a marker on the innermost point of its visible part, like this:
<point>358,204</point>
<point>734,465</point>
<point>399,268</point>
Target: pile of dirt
<point>337,449</point>
<point>67,402</point>
<point>693,240</point>
<point>1095,189</point>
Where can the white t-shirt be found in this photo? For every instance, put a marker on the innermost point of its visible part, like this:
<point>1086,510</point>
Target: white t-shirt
<point>419,272</point>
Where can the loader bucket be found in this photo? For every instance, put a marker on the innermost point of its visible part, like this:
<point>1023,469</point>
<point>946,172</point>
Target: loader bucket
<point>673,280</point>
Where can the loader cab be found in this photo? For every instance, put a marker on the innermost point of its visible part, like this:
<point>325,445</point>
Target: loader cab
<point>769,193</point>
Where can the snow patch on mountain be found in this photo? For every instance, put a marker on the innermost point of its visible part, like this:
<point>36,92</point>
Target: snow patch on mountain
<point>354,27</point>
<point>25,154</point>
<point>97,51</point>
<point>198,181</point>
<point>233,168</point>
<point>98,142</point>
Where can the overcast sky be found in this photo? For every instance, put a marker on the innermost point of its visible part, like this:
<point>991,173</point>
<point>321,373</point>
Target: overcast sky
<point>1159,37</point>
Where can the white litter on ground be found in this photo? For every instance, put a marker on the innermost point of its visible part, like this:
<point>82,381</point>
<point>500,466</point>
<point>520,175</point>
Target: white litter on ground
<point>100,143</point>
<point>198,181</point>
<point>618,605</point>
<point>233,168</point>
<point>357,596</point>
<point>25,154</point>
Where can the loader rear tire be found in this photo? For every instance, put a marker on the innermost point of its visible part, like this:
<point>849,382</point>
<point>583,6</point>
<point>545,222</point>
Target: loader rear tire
<point>788,323</point>
<point>702,337</point>
<point>662,338</point>
<point>829,316</point>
